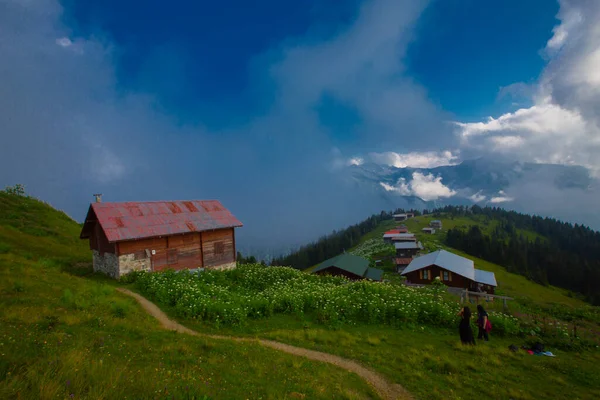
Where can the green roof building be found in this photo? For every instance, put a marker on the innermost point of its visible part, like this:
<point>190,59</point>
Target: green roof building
<point>350,266</point>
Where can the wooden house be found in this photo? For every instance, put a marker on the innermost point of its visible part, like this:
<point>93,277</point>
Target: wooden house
<point>350,266</point>
<point>392,236</point>
<point>157,235</point>
<point>436,224</point>
<point>404,237</point>
<point>407,249</point>
<point>400,217</point>
<point>401,263</point>
<point>452,269</point>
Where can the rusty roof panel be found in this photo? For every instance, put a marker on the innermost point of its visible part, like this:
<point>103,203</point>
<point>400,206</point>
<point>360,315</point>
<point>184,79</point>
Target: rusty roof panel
<point>138,220</point>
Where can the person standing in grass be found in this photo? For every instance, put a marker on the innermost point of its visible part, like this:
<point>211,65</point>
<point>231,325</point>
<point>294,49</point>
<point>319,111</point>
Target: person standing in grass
<point>482,323</point>
<point>464,328</point>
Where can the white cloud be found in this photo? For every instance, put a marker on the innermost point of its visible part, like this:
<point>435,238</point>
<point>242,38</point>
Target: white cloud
<point>64,42</point>
<point>563,125</point>
<point>507,142</point>
<point>362,66</point>
<point>501,198</point>
<point>429,159</point>
<point>543,119</point>
<point>427,187</point>
<point>544,133</point>
<point>401,187</point>
<point>570,20</point>
<point>477,197</point>
<point>355,161</point>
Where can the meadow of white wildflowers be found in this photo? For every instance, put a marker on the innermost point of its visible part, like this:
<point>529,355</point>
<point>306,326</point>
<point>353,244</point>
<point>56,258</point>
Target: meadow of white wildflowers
<point>255,291</point>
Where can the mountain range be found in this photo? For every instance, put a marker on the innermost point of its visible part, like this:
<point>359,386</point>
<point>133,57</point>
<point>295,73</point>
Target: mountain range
<point>546,189</point>
<point>567,193</point>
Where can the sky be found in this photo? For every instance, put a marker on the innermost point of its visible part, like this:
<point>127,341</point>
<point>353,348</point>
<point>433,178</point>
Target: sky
<point>263,106</point>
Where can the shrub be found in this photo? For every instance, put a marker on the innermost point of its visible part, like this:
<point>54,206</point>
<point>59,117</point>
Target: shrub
<point>17,190</point>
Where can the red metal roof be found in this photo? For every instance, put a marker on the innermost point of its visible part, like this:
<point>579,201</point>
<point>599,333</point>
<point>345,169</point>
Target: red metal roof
<point>138,220</point>
<point>397,230</point>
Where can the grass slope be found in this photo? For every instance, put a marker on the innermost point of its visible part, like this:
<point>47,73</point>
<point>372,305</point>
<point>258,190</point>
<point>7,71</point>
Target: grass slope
<point>65,333</point>
<point>431,363</point>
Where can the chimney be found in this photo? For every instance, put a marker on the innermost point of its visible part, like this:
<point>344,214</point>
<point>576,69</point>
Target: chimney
<point>98,197</point>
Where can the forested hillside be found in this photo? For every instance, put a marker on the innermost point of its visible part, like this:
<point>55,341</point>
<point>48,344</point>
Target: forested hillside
<point>545,250</point>
<point>553,252</point>
<point>335,243</point>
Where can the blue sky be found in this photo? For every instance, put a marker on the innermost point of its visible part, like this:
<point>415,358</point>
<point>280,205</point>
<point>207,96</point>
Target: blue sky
<point>466,50</point>
<point>198,57</point>
<point>267,107</point>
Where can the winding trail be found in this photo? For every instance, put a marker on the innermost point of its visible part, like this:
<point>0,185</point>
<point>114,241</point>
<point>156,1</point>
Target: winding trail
<point>385,389</point>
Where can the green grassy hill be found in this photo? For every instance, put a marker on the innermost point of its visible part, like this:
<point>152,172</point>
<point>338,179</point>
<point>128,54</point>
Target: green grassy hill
<point>509,284</point>
<point>67,333</point>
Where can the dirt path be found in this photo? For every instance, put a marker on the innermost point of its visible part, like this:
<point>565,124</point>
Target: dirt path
<point>385,389</point>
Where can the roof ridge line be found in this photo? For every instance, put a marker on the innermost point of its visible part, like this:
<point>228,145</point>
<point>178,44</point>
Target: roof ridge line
<point>150,201</point>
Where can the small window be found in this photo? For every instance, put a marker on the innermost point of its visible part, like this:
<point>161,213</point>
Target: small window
<point>139,255</point>
<point>426,274</point>
<point>446,276</point>
<point>219,248</point>
<point>172,256</point>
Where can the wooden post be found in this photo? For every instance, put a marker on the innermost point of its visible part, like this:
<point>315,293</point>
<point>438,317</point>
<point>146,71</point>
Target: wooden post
<point>505,304</point>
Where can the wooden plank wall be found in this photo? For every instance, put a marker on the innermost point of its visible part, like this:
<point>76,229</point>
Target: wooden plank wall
<point>222,239</point>
<point>159,245</point>
<point>186,252</point>
<point>99,241</point>
<point>189,251</point>
<point>457,280</point>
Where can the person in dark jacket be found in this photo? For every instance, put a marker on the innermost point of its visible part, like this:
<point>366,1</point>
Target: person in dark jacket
<point>482,318</point>
<point>464,328</point>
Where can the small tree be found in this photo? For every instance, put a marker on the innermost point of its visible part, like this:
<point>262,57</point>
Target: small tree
<point>17,190</point>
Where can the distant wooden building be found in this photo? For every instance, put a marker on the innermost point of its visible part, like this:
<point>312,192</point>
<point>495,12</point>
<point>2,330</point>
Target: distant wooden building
<point>436,224</point>
<point>158,235</point>
<point>407,249</point>
<point>350,266</point>
<point>401,263</point>
<point>404,237</point>
<point>430,231</point>
<point>400,217</point>
<point>391,237</point>
<point>452,269</point>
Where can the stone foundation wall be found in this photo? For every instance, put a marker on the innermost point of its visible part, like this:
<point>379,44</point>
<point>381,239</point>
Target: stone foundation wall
<point>128,263</point>
<point>106,263</point>
<point>225,266</point>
